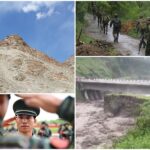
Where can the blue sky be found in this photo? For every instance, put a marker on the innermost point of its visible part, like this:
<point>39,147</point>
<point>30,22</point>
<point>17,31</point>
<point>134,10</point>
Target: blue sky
<point>45,25</point>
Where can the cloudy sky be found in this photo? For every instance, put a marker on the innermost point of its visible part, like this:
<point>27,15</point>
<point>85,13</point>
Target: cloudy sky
<point>45,25</point>
<point>43,114</point>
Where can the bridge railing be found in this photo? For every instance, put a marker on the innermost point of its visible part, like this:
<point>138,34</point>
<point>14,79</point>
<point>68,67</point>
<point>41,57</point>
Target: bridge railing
<point>106,80</point>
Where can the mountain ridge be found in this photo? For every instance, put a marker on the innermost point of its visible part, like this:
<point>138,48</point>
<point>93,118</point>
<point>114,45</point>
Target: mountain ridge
<point>28,66</point>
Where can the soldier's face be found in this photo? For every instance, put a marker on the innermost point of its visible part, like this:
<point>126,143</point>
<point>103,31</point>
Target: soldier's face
<point>3,105</point>
<point>25,123</point>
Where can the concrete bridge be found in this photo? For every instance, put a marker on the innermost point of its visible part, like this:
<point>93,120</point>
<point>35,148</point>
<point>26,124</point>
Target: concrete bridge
<point>95,88</point>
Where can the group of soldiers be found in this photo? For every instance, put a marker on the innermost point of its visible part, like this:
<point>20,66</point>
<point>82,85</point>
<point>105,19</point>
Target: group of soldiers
<point>25,117</point>
<point>103,20</point>
<point>65,131</point>
<point>142,26</point>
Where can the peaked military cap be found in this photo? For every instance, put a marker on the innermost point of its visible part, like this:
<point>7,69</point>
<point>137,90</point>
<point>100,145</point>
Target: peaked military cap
<point>20,108</point>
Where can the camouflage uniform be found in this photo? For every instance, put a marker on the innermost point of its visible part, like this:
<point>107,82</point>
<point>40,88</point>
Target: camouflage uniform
<point>143,30</point>
<point>99,18</point>
<point>94,9</point>
<point>105,24</point>
<point>20,141</point>
<point>1,131</point>
<point>147,51</point>
<point>65,111</point>
<point>116,27</point>
<point>44,131</point>
<point>144,38</point>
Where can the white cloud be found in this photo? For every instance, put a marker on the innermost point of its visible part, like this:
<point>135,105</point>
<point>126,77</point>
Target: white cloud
<point>30,7</point>
<point>40,15</point>
<point>26,7</point>
<point>42,9</point>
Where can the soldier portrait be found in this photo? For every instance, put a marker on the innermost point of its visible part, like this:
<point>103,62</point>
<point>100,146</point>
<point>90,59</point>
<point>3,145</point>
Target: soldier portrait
<point>25,117</point>
<point>36,125</point>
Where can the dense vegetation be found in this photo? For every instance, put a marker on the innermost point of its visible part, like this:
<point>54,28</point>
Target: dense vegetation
<point>127,10</point>
<point>114,67</point>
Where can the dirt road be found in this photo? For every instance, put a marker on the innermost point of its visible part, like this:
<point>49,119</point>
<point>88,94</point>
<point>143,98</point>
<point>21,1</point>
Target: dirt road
<point>126,46</point>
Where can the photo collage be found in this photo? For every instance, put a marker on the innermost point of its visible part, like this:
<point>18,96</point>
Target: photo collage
<point>74,74</point>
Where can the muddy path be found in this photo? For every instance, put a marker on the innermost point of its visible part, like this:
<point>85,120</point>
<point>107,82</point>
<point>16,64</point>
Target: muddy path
<point>126,46</point>
<point>95,129</point>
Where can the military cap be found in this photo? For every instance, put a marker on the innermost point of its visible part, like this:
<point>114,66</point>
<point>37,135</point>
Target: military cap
<point>116,15</point>
<point>20,108</point>
<point>44,123</point>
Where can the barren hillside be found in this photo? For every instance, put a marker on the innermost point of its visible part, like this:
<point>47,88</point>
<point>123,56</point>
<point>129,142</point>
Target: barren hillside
<point>24,69</point>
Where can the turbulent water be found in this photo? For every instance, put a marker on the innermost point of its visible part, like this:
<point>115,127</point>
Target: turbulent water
<point>95,129</point>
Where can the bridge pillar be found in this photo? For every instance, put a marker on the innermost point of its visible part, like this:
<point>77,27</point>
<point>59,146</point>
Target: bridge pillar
<point>95,95</point>
<point>85,94</point>
<point>79,85</point>
<point>92,93</point>
<point>89,94</point>
<point>100,95</point>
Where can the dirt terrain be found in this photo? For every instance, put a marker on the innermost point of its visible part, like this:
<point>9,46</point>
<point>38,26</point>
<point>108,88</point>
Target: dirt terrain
<point>96,48</point>
<point>127,45</point>
<point>24,69</point>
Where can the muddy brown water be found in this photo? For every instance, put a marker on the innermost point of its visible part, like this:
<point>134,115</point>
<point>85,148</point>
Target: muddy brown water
<point>126,46</point>
<point>95,129</point>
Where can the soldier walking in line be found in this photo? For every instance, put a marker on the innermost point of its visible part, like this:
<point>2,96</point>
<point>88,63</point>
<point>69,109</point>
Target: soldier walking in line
<point>99,17</point>
<point>105,23</point>
<point>147,51</point>
<point>142,30</point>
<point>94,9</point>
<point>116,22</point>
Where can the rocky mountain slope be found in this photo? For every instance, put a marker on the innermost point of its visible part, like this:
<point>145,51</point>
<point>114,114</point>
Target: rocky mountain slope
<point>24,69</point>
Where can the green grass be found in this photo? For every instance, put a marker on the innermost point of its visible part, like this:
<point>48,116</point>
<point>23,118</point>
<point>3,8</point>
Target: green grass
<point>86,69</point>
<point>140,136</point>
<point>54,130</point>
<point>84,38</point>
<point>97,67</point>
<point>135,139</point>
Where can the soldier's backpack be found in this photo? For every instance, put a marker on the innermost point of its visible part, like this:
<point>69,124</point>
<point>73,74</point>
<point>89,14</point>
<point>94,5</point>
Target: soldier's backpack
<point>105,19</point>
<point>117,23</point>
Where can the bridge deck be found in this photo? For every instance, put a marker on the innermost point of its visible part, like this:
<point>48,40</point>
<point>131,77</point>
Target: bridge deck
<point>114,81</point>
